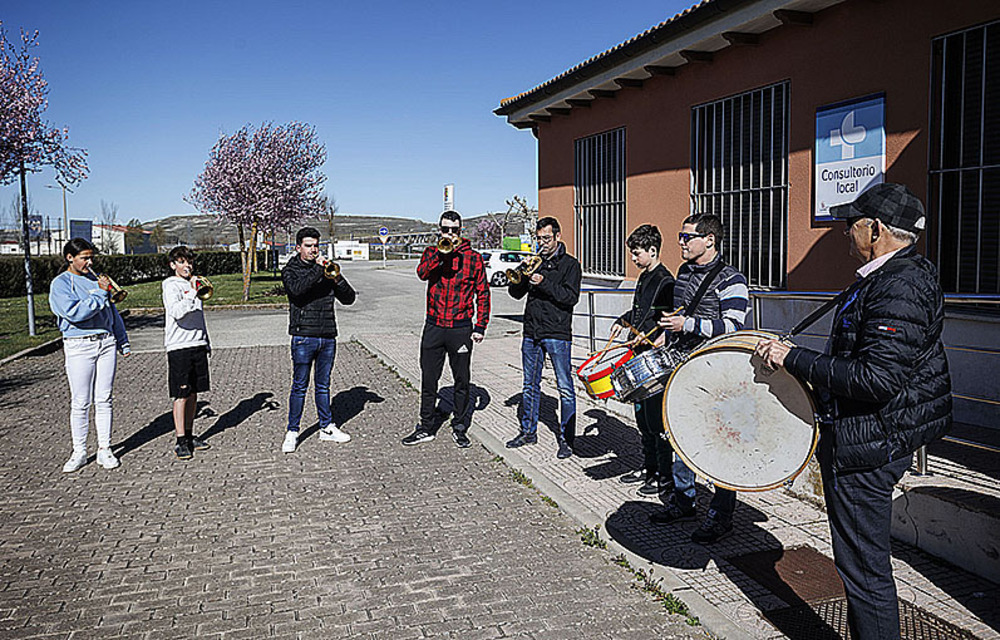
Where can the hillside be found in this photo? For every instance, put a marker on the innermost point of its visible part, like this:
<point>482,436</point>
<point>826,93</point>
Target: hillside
<point>204,230</point>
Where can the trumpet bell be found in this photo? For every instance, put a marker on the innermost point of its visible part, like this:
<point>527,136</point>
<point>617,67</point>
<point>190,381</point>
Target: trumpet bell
<point>445,245</point>
<point>513,276</point>
<point>331,270</point>
<point>204,289</point>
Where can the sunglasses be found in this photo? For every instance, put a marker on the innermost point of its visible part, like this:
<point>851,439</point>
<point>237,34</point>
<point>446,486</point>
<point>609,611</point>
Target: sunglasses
<point>449,229</point>
<point>686,237</point>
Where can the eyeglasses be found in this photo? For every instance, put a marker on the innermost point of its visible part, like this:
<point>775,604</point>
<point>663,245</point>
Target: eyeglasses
<point>544,238</point>
<point>686,237</point>
<point>449,229</point>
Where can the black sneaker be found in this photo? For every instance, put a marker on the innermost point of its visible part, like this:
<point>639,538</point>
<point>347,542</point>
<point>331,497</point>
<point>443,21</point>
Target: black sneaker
<point>651,487</point>
<point>564,450</point>
<point>183,450</point>
<point>461,439</point>
<point>521,440</point>
<point>712,530</point>
<point>673,513</point>
<point>418,436</point>
<point>198,444</point>
<point>634,477</point>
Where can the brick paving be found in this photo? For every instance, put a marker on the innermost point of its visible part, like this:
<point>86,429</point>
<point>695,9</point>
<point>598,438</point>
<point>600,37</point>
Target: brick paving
<point>363,540</point>
<point>608,445</point>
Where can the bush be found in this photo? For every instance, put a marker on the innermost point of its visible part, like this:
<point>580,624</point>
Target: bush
<point>124,269</point>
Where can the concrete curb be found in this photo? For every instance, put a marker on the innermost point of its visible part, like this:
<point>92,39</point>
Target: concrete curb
<point>144,311</point>
<point>712,619</point>
<point>45,347</point>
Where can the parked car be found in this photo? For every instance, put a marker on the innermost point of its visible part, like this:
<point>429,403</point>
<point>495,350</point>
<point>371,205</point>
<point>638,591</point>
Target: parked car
<point>497,261</point>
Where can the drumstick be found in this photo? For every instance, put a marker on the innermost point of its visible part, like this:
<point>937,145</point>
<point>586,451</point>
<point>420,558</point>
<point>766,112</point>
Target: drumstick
<point>640,334</point>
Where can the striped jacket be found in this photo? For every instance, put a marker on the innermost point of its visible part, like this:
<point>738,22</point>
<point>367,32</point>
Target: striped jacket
<point>723,309</point>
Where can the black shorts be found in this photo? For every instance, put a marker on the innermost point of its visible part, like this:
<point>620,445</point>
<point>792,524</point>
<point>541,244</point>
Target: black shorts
<point>188,371</point>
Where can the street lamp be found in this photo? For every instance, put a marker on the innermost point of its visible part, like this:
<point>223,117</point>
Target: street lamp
<point>65,229</point>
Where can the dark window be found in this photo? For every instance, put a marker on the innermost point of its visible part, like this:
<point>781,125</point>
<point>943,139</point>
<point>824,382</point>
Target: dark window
<point>599,201</point>
<point>739,164</point>
<point>964,194</point>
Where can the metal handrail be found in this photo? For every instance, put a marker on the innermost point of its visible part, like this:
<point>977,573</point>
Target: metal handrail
<point>757,297</point>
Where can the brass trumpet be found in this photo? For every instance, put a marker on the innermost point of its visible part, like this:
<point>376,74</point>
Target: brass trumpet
<point>203,288</point>
<point>445,245</point>
<point>117,293</point>
<point>524,270</point>
<point>331,270</point>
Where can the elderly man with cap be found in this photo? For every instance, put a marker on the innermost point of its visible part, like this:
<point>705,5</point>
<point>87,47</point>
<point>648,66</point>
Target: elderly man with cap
<point>884,392</point>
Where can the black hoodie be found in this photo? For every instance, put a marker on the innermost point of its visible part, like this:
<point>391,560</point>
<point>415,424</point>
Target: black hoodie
<point>310,298</point>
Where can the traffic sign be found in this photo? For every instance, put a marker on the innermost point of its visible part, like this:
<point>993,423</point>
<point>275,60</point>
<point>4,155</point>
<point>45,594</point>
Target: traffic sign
<point>383,231</point>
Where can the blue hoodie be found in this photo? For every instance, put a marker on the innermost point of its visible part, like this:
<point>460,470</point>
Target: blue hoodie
<point>84,309</point>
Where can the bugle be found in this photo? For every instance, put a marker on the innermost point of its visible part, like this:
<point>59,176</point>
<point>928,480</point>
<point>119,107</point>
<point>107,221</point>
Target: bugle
<point>203,287</point>
<point>525,269</point>
<point>445,245</point>
<point>331,270</point>
<point>117,293</point>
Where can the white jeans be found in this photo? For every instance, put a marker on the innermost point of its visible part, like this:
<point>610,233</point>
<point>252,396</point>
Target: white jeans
<point>90,367</point>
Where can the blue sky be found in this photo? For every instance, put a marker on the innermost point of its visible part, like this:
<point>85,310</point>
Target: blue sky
<point>401,93</point>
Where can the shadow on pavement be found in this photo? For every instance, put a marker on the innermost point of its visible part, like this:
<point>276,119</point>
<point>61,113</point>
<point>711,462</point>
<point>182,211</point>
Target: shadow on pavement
<point>671,546</point>
<point>548,415</point>
<point>164,423</point>
<point>142,321</point>
<point>238,414</point>
<point>479,399</point>
<point>346,405</point>
<point>604,434</point>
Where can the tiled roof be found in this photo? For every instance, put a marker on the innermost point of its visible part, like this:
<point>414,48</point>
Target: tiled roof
<point>649,38</point>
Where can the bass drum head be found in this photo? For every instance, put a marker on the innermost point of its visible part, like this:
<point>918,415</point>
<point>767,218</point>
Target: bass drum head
<point>736,424</point>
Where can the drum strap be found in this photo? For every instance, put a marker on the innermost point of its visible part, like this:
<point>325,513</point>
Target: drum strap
<point>811,319</point>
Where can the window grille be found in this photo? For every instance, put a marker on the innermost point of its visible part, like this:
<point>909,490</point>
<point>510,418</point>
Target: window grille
<point>599,202</point>
<point>964,172</point>
<point>739,172</point>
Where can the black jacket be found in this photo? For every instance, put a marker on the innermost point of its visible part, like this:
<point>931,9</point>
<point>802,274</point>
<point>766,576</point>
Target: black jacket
<point>549,310</point>
<point>654,294</point>
<point>311,297</point>
<point>884,380</point>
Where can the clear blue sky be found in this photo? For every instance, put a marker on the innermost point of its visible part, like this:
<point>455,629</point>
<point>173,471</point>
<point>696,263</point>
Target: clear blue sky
<point>401,93</point>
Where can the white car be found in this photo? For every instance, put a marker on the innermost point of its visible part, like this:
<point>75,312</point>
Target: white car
<point>497,261</point>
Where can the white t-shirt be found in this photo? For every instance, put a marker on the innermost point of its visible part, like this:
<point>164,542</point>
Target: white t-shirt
<point>185,326</point>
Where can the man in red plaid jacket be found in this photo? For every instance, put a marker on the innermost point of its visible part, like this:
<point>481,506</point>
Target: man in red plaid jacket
<point>456,291</point>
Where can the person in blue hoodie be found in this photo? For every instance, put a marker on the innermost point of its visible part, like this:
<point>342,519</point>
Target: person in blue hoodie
<point>93,333</point>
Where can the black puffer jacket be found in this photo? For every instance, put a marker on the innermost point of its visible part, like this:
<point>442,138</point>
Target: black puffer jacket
<point>311,299</point>
<point>549,310</point>
<point>885,381</point>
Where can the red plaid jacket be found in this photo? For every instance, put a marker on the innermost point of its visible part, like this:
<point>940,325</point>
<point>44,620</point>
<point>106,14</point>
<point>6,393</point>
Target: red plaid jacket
<point>453,280</point>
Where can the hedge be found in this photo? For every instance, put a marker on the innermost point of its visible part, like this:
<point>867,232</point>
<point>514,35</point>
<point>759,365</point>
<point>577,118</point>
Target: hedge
<point>124,269</point>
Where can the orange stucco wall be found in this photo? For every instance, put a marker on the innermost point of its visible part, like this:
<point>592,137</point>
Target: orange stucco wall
<point>852,50</point>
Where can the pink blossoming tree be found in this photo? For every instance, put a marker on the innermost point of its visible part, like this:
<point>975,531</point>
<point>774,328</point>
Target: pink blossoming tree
<point>28,143</point>
<point>262,179</point>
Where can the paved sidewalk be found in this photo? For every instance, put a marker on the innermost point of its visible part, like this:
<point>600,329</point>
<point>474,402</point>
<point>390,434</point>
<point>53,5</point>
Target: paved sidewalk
<point>607,445</point>
<point>364,540</point>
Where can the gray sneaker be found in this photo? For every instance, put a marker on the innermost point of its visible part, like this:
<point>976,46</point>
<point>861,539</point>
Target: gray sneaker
<point>417,437</point>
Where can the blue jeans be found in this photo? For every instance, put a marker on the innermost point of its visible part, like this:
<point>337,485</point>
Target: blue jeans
<point>305,352</point>
<point>723,502</point>
<point>532,357</point>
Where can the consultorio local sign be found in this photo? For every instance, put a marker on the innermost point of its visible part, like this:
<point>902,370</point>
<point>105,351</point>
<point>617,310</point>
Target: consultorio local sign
<point>850,151</point>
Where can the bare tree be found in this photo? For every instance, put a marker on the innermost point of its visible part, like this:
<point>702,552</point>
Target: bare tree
<point>518,212</point>
<point>109,218</point>
<point>329,209</point>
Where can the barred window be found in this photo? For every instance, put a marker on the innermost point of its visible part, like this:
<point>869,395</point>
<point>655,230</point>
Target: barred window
<point>964,173</point>
<point>739,172</point>
<point>599,202</point>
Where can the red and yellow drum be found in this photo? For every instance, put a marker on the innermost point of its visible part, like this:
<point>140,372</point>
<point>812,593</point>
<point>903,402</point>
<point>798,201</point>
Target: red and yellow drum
<point>596,371</point>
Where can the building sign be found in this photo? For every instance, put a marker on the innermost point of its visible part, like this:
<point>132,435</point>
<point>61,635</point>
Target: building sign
<point>449,197</point>
<point>81,229</point>
<point>850,151</point>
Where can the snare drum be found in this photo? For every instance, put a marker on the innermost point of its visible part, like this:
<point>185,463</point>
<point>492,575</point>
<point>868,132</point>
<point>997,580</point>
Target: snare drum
<point>734,422</point>
<point>596,371</point>
<point>645,375</point>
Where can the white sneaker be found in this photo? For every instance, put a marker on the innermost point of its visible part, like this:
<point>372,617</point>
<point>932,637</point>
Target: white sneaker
<point>77,460</point>
<point>107,459</point>
<point>334,434</point>
<point>291,441</point>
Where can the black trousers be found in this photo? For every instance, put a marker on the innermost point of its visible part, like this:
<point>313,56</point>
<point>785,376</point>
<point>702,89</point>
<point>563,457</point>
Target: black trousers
<point>657,460</point>
<point>859,506</point>
<point>435,343</point>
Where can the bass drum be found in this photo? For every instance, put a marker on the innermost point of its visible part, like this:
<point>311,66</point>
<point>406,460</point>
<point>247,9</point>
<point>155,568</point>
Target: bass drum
<point>734,422</point>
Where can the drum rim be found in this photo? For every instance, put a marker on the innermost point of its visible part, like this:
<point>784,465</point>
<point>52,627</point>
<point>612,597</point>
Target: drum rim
<point>607,371</point>
<point>698,470</point>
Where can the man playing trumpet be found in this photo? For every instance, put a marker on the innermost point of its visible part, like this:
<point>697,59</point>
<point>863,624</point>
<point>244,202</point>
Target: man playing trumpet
<point>456,290</point>
<point>312,290</point>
